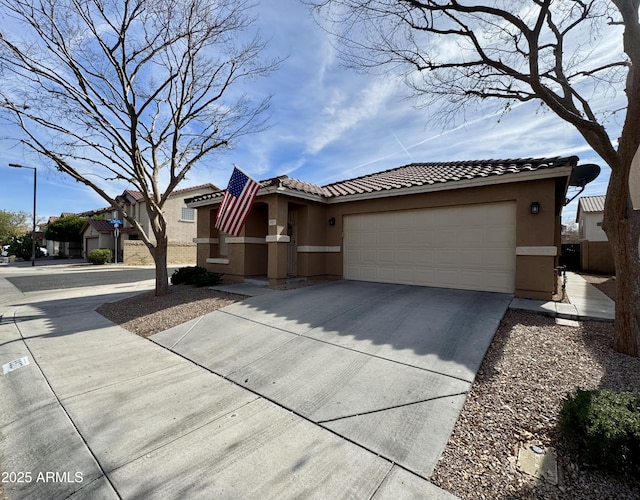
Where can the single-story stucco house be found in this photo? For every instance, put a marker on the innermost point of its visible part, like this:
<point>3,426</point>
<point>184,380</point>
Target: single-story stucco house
<point>491,225</point>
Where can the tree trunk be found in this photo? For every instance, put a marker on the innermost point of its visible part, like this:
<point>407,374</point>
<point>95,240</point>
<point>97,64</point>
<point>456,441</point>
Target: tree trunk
<point>622,225</point>
<point>159,254</point>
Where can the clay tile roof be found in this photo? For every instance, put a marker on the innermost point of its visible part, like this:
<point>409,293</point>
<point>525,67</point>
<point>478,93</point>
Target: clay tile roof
<point>592,203</point>
<point>281,181</point>
<point>100,225</point>
<point>418,174</point>
<point>305,187</point>
<point>210,186</point>
<point>136,195</point>
<point>414,174</point>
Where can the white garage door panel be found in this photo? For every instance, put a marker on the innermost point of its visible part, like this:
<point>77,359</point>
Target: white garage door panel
<point>469,247</point>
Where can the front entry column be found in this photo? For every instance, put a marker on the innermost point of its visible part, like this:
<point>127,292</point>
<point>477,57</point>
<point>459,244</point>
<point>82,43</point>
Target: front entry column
<point>277,240</point>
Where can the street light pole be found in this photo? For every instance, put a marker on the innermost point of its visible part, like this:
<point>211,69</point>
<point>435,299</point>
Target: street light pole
<point>33,232</point>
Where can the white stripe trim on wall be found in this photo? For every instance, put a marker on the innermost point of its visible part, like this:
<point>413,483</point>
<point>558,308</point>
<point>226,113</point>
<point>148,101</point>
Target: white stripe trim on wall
<point>538,251</point>
<point>278,238</point>
<point>214,241</point>
<point>317,248</point>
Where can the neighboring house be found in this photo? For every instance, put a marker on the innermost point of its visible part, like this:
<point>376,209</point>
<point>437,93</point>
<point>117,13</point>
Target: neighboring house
<point>589,218</point>
<point>97,233</point>
<point>181,227</point>
<point>595,249</point>
<point>489,225</point>
<point>74,248</point>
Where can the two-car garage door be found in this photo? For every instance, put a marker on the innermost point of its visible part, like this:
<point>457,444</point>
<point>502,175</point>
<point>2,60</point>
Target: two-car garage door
<point>469,247</point>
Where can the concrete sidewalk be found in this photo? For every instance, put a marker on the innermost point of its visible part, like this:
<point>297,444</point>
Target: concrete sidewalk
<point>92,411</point>
<point>586,303</point>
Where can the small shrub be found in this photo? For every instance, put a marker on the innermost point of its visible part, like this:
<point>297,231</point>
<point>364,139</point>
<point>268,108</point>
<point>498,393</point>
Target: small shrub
<point>99,256</point>
<point>186,275</point>
<point>207,279</point>
<point>195,275</point>
<point>602,429</point>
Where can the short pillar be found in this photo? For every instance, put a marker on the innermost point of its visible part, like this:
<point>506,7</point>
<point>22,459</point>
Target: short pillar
<point>277,240</point>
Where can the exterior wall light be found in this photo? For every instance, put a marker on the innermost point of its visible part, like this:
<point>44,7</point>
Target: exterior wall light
<point>535,208</point>
<point>332,221</point>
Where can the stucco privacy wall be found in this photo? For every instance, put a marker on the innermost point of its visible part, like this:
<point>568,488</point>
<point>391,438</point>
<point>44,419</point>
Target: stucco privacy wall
<point>136,253</point>
<point>263,247</point>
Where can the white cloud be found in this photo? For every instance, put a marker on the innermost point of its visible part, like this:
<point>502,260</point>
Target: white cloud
<point>346,111</point>
<point>329,123</point>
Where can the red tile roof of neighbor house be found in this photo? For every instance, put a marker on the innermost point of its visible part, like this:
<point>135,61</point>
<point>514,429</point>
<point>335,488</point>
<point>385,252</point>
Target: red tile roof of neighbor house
<point>414,174</point>
<point>137,195</point>
<point>100,225</point>
<point>592,203</point>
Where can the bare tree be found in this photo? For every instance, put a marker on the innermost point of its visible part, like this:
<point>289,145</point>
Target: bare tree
<point>131,91</point>
<point>456,52</point>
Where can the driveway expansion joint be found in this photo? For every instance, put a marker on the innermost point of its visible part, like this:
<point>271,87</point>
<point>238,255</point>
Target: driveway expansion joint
<point>293,411</point>
<point>394,407</point>
<point>183,435</point>
<point>187,332</point>
<point>119,382</point>
<point>382,358</point>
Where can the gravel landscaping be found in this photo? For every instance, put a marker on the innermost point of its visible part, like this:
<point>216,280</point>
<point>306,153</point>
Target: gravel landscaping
<point>146,314</point>
<point>531,365</point>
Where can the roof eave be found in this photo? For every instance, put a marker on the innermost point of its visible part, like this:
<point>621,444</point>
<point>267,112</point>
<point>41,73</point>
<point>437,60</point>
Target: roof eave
<point>461,184</point>
<point>294,193</point>
<point>196,203</point>
<point>546,173</point>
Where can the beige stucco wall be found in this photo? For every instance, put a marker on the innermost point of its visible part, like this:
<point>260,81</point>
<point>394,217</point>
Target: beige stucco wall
<point>177,228</point>
<point>136,253</point>
<point>535,275</point>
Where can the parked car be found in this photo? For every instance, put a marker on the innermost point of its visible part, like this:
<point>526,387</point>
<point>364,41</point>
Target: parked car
<point>5,250</point>
<point>42,252</point>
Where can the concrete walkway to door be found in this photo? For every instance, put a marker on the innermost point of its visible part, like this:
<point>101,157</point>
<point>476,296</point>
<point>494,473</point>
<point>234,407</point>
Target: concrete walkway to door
<point>384,366</point>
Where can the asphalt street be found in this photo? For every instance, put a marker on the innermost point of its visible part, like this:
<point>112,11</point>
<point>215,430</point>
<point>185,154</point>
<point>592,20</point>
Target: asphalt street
<point>48,276</point>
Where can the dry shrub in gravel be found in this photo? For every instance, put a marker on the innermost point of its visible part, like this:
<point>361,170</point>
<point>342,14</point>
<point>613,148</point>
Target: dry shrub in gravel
<point>531,366</point>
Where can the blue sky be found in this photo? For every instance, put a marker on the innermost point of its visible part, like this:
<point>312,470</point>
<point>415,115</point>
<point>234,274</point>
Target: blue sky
<point>329,123</point>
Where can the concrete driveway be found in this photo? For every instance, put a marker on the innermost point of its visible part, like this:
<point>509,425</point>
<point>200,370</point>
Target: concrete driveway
<point>387,367</point>
<point>340,390</point>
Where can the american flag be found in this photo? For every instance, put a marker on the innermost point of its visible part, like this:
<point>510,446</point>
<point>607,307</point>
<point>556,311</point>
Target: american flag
<point>236,203</point>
